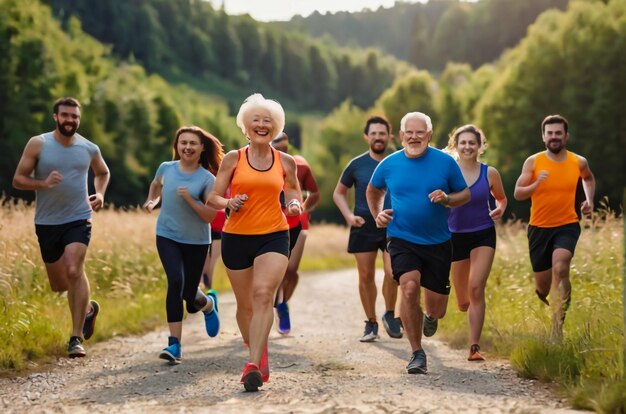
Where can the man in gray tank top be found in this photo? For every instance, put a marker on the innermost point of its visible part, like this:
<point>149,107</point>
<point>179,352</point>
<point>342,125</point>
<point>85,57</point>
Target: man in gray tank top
<point>56,165</point>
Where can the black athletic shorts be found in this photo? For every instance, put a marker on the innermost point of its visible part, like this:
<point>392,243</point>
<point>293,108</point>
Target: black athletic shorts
<point>543,241</point>
<point>464,243</point>
<point>293,236</point>
<point>216,235</point>
<point>432,261</point>
<point>54,237</point>
<point>367,238</point>
<point>240,250</point>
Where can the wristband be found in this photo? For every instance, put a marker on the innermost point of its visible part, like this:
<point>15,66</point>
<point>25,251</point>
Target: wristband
<point>294,202</point>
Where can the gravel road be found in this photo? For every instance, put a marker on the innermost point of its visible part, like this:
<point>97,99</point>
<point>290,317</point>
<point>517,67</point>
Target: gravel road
<point>320,368</point>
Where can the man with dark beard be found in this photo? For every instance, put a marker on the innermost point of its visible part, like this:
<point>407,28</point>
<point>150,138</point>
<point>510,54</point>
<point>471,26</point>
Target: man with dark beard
<point>365,238</point>
<point>55,165</point>
<point>549,178</point>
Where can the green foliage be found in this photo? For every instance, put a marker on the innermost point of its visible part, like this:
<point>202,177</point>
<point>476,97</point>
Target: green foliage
<point>571,63</point>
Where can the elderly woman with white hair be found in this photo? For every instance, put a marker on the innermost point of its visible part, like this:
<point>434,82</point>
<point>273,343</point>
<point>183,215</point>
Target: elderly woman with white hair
<point>255,238</point>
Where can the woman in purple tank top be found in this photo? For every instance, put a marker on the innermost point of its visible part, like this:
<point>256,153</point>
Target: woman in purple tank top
<point>473,229</point>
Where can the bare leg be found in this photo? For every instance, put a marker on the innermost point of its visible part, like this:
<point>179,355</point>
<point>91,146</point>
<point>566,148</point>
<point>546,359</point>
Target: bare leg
<point>291,275</point>
<point>481,259</point>
<point>366,265</point>
<point>390,287</point>
<point>561,293</point>
<point>209,265</point>
<point>77,284</point>
<point>411,311</point>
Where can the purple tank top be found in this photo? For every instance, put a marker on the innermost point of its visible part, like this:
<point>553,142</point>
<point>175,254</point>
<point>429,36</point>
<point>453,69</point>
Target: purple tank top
<point>473,216</point>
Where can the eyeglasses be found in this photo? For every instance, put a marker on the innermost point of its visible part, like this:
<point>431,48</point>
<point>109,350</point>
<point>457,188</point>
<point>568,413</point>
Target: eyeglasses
<point>419,134</point>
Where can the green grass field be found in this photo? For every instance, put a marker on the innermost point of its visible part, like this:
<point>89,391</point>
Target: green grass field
<point>127,279</point>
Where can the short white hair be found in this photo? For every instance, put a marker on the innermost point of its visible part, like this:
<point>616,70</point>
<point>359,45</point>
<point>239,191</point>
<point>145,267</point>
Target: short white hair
<point>416,115</point>
<point>256,101</point>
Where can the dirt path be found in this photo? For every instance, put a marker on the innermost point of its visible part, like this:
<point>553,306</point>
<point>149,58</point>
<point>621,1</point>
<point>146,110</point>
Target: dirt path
<point>320,368</point>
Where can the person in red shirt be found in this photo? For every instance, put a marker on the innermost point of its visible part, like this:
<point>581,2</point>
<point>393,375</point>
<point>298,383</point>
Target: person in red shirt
<point>298,231</point>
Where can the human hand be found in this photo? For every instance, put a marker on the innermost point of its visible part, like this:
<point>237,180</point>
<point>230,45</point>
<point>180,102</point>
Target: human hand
<point>384,218</point>
<point>235,203</point>
<point>96,201</point>
<point>356,221</point>
<point>53,179</point>
<point>294,208</point>
<point>439,197</point>
<point>496,213</point>
<point>151,204</point>
<point>586,207</point>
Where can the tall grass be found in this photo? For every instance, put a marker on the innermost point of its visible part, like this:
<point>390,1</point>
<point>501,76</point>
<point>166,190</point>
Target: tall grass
<point>125,274</point>
<point>127,279</point>
<point>589,361</point>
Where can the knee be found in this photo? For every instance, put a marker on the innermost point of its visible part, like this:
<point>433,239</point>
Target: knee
<point>263,297</point>
<point>463,307</point>
<point>561,269</point>
<point>74,274</point>
<point>476,294</point>
<point>411,291</point>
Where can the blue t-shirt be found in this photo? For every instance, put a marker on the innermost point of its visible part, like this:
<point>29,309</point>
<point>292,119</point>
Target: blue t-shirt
<point>177,220</point>
<point>358,173</point>
<point>67,201</point>
<point>409,181</point>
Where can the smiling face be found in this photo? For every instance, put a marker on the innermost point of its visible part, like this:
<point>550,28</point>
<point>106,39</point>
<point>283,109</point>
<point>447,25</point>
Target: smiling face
<point>259,126</point>
<point>189,147</point>
<point>468,146</point>
<point>415,137</point>
<point>67,119</point>
<point>377,137</point>
<point>555,137</point>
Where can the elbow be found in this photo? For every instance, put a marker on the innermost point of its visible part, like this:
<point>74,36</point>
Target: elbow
<point>16,184</point>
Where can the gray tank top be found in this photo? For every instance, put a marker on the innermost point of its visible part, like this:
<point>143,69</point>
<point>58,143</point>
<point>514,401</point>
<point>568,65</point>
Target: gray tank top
<point>68,201</point>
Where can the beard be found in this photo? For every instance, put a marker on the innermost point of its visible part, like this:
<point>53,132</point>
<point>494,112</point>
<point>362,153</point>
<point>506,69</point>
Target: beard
<point>374,149</point>
<point>65,132</point>
<point>555,150</point>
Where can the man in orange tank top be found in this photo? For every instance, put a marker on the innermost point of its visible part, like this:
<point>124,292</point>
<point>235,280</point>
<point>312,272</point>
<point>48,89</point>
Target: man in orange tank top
<point>549,178</point>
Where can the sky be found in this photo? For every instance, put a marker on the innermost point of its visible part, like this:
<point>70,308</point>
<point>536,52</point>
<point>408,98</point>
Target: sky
<point>273,10</point>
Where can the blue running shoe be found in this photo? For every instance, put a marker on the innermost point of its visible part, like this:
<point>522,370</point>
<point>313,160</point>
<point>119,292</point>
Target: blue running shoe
<point>173,354</point>
<point>282,314</point>
<point>212,318</point>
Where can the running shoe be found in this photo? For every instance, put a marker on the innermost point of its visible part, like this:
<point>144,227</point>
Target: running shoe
<point>89,326</point>
<point>251,378</point>
<point>282,314</point>
<point>391,325</point>
<point>417,364</point>
<point>371,332</point>
<point>474,354</point>
<point>212,318</point>
<point>430,325</point>
<point>264,367</point>
<point>173,354</point>
<point>75,348</point>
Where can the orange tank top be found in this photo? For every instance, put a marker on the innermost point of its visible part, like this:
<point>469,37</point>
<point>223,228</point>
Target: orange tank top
<point>553,202</point>
<point>261,213</point>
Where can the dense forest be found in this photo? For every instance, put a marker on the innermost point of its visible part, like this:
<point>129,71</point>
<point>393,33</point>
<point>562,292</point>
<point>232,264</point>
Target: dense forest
<point>431,34</point>
<point>142,69</point>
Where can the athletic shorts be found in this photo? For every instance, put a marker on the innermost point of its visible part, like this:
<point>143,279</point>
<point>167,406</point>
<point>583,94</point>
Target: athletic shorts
<point>53,238</point>
<point>216,235</point>
<point>293,236</point>
<point>464,243</point>
<point>304,219</point>
<point>432,261</point>
<point>240,250</point>
<point>543,241</point>
<point>367,238</point>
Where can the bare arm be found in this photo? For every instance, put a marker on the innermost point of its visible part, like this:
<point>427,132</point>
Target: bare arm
<point>524,189</point>
<point>589,185</point>
<point>451,199</point>
<point>293,194</point>
<point>205,212</point>
<point>497,190</point>
<point>312,200</point>
<point>100,181</point>
<point>376,202</point>
<point>23,178</point>
<point>216,198</point>
<point>154,195</point>
<point>340,197</point>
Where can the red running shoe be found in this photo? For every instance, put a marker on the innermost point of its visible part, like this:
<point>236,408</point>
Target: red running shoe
<point>265,366</point>
<point>251,377</point>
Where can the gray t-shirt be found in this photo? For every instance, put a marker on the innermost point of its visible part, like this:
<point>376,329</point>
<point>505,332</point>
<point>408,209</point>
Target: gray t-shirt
<point>68,201</point>
<point>177,220</point>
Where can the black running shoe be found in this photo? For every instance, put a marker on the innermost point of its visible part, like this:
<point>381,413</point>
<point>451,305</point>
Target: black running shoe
<point>417,364</point>
<point>391,325</point>
<point>430,325</point>
<point>89,326</point>
<point>75,348</point>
